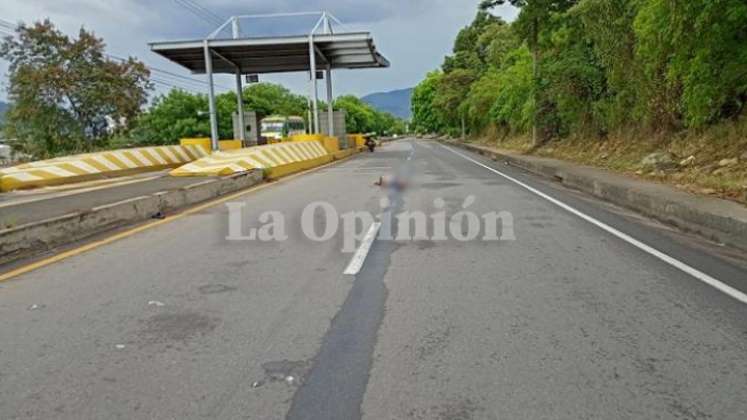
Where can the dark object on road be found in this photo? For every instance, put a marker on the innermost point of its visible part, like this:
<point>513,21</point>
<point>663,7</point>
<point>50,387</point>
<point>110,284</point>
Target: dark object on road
<point>391,182</point>
<point>160,215</point>
<point>371,144</point>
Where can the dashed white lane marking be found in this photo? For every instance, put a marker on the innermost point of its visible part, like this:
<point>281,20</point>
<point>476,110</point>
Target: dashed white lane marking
<point>356,263</point>
<point>705,278</point>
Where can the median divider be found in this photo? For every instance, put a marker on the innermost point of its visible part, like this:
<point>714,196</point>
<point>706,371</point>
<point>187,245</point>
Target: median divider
<point>84,167</point>
<point>275,160</point>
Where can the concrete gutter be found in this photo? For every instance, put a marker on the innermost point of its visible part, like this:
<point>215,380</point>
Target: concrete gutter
<point>719,220</point>
<point>38,237</point>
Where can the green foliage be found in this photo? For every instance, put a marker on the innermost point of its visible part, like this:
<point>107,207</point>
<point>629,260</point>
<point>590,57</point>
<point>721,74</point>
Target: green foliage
<point>592,66</point>
<point>514,105</point>
<point>695,55</point>
<point>175,115</point>
<point>363,118</point>
<point>424,118</point>
<point>269,98</point>
<point>181,114</point>
<point>67,95</point>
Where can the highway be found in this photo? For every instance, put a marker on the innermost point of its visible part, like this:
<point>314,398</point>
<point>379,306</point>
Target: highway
<point>566,320</point>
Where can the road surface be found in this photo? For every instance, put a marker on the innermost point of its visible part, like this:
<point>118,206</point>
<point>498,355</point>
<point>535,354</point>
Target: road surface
<point>567,321</point>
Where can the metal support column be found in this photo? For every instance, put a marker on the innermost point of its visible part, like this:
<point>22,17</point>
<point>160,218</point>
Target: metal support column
<point>211,97</point>
<point>330,106</point>
<point>236,29</point>
<point>314,93</point>
<point>240,107</point>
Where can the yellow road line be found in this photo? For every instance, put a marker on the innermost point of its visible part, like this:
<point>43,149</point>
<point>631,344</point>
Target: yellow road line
<point>122,235</point>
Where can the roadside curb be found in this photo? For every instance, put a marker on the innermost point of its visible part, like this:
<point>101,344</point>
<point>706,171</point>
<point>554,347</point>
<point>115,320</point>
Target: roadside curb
<point>35,238</point>
<point>716,219</point>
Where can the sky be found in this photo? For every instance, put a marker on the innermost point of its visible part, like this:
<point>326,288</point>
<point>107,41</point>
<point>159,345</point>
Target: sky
<point>414,35</point>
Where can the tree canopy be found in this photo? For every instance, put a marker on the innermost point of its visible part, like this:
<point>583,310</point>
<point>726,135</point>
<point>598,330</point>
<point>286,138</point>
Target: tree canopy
<point>66,94</point>
<point>592,66</point>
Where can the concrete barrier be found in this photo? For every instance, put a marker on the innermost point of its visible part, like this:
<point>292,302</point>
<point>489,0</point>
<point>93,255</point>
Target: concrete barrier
<point>78,168</point>
<point>206,144</point>
<point>276,159</point>
<point>36,238</point>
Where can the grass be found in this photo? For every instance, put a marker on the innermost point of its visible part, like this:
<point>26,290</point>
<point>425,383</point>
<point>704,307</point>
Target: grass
<point>623,151</point>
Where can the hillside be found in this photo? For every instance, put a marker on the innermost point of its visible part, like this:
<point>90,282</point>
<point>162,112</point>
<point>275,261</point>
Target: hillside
<point>3,107</point>
<point>396,102</point>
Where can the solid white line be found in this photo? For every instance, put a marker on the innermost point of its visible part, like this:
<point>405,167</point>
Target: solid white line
<point>705,278</point>
<point>356,263</point>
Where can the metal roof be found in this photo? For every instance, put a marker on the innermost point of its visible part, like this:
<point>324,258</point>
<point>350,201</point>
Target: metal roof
<point>350,50</point>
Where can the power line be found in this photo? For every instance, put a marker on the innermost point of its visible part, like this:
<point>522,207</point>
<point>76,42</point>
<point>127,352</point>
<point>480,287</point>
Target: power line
<point>201,12</point>
<point>158,75</point>
<point>167,74</point>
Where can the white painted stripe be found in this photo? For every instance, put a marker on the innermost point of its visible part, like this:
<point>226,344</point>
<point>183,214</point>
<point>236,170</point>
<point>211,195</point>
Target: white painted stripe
<point>253,162</point>
<point>705,278</point>
<point>197,150</point>
<point>356,263</point>
<point>157,156</point>
<point>298,151</point>
<point>283,151</point>
<point>106,163</point>
<point>292,152</point>
<point>23,176</point>
<point>141,160</point>
<point>179,152</point>
<point>169,153</point>
<point>83,166</point>
<point>59,172</point>
<point>124,159</point>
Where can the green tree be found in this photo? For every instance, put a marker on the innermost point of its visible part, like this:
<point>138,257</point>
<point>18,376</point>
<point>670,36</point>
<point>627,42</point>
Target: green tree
<point>694,56</point>
<point>535,15</point>
<point>180,114</point>
<point>453,89</point>
<point>269,98</point>
<point>361,117</point>
<point>424,116</point>
<point>67,95</point>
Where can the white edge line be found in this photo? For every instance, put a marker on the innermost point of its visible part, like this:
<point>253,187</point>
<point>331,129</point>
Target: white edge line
<point>705,278</point>
<point>356,263</point>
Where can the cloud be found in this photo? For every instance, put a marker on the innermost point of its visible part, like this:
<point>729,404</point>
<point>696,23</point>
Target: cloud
<point>413,34</point>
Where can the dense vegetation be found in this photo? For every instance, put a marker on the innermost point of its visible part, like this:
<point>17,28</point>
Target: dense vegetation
<point>181,114</point>
<point>67,95</point>
<point>591,68</point>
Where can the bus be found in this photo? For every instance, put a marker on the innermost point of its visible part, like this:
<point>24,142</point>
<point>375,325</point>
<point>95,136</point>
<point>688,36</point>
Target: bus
<point>277,127</point>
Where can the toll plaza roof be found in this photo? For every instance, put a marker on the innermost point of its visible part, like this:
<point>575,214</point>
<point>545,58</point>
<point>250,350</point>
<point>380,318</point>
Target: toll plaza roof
<point>349,50</point>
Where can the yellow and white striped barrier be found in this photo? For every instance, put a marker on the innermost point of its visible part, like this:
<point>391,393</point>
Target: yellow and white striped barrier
<point>276,159</point>
<point>87,166</point>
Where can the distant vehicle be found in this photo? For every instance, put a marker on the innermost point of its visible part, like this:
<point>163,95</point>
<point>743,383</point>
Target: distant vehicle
<point>277,127</point>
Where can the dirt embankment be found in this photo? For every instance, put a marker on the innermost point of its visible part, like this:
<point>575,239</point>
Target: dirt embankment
<point>709,162</point>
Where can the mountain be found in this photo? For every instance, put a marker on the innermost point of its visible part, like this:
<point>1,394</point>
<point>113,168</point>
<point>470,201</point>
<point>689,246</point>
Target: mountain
<point>396,102</point>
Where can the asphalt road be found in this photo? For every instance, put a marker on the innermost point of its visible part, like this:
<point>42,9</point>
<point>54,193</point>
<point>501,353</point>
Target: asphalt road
<point>20,207</point>
<point>566,321</point>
